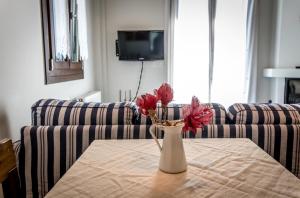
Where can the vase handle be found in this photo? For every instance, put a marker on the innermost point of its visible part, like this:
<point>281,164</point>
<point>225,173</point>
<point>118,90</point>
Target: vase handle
<point>152,132</point>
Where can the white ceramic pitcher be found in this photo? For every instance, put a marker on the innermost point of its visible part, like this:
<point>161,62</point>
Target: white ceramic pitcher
<point>172,158</point>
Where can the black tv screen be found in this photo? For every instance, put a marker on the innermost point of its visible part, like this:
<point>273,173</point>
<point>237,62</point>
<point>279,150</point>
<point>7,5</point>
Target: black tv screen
<point>141,45</point>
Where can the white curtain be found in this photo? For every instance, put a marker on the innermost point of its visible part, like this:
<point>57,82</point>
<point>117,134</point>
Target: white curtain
<point>210,51</point>
<point>228,84</point>
<point>171,15</point>
<point>191,55</point>
<point>251,50</point>
<point>82,29</point>
<point>61,29</point>
<point>212,4</point>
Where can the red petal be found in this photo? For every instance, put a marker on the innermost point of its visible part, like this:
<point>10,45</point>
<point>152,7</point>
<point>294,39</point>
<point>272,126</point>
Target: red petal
<point>165,94</point>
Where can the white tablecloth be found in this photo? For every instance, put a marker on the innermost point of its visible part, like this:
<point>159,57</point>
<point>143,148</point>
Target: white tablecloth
<point>216,168</point>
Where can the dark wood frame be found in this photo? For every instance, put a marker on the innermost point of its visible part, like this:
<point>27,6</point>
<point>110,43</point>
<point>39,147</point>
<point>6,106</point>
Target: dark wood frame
<point>56,71</point>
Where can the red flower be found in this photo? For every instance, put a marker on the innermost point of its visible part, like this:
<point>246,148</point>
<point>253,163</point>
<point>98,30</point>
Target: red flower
<point>196,115</point>
<point>164,94</point>
<point>146,102</point>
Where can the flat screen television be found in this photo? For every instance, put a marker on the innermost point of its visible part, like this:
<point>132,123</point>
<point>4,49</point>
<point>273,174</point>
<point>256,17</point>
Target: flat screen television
<point>141,45</point>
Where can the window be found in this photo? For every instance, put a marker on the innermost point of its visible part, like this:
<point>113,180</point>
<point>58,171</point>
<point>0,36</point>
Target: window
<point>191,52</point>
<point>64,31</point>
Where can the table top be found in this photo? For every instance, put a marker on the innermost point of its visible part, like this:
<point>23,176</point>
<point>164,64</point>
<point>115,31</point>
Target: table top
<point>216,168</point>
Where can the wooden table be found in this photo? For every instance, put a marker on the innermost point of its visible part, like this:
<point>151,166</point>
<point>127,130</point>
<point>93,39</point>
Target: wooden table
<point>216,168</point>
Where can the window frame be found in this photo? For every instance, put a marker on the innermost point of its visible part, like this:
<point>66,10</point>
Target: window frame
<point>55,71</point>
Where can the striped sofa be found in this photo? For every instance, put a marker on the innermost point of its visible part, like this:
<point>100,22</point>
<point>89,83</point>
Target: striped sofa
<point>62,130</point>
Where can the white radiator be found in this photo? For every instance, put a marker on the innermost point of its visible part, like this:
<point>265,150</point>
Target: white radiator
<point>92,96</point>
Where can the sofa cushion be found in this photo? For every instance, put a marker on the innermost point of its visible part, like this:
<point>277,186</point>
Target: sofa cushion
<point>174,112</point>
<point>264,113</point>
<point>53,112</point>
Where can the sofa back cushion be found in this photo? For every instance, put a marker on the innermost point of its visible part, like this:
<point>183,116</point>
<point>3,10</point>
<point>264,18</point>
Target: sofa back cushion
<point>53,112</point>
<point>264,113</point>
<point>174,112</point>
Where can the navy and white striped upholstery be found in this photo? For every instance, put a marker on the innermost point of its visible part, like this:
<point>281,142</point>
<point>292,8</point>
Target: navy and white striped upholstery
<point>62,130</point>
<point>174,112</point>
<point>53,112</point>
<point>47,152</point>
<point>264,114</point>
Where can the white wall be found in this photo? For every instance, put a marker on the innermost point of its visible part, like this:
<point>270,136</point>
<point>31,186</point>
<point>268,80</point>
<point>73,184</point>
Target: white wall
<point>289,30</point>
<point>287,42</point>
<point>124,75</point>
<point>22,67</point>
